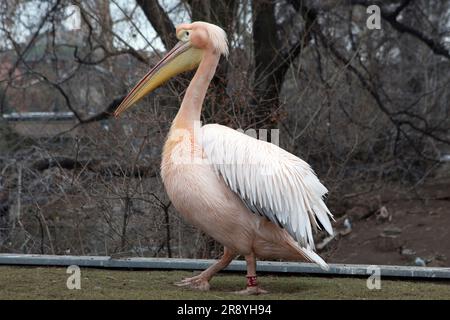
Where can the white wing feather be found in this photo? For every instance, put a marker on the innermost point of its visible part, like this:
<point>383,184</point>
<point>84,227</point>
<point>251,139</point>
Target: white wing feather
<point>271,181</point>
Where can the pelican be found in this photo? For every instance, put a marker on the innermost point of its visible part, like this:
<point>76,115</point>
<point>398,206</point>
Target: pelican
<point>256,199</point>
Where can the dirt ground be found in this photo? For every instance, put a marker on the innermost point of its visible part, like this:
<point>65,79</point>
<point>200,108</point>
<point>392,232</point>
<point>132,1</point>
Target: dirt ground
<point>396,228</point>
<point>50,283</point>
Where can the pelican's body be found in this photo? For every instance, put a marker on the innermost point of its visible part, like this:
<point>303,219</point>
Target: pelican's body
<point>253,197</point>
<point>205,201</point>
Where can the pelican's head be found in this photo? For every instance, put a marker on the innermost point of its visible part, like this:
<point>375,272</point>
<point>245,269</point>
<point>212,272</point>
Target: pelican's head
<point>195,39</point>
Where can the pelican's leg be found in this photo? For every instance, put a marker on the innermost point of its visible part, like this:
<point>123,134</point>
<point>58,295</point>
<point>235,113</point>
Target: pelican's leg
<point>201,282</point>
<point>252,284</point>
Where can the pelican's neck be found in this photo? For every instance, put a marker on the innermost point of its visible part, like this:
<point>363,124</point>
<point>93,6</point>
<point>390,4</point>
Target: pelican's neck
<point>191,107</point>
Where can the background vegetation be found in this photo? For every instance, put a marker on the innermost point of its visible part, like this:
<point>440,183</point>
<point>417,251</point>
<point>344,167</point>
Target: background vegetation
<point>369,109</point>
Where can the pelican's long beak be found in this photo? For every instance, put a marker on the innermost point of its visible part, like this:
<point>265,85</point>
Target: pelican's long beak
<point>183,57</point>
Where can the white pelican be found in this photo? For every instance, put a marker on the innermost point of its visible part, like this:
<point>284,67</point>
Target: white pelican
<point>253,197</point>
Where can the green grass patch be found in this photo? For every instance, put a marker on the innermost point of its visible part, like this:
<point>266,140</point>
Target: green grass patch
<point>50,283</point>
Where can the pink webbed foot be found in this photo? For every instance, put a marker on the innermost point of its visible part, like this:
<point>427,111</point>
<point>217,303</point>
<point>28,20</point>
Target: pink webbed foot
<point>197,283</point>
<point>252,291</point>
<point>252,287</point>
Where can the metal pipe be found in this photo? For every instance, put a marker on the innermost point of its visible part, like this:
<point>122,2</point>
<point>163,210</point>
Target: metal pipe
<point>236,265</point>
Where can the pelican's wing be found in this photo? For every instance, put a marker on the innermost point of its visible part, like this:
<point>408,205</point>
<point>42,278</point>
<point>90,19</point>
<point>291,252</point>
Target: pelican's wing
<point>271,181</point>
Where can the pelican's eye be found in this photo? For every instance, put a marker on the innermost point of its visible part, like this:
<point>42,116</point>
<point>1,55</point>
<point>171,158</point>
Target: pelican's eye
<point>185,36</point>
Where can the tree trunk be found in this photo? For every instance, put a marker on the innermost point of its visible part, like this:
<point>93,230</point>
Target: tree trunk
<point>160,21</point>
<point>267,47</point>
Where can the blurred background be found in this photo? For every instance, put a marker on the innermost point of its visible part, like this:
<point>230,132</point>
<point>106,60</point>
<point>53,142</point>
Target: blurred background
<point>367,107</point>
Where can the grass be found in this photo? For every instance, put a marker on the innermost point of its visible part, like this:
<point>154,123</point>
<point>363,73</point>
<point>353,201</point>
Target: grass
<point>50,283</point>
